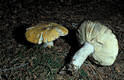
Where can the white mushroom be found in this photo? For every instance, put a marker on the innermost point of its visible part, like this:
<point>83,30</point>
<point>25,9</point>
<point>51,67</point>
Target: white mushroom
<point>98,41</point>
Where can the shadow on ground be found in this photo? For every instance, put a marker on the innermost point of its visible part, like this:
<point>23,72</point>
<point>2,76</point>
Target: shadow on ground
<point>72,41</point>
<point>19,35</point>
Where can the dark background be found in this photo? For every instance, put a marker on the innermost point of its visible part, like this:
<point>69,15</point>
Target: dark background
<point>17,15</point>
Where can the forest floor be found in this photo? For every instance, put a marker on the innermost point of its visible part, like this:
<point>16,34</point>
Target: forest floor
<point>22,61</point>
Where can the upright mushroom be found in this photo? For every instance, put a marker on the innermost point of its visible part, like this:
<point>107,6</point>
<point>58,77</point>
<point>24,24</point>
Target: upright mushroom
<point>98,41</point>
<point>45,33</point>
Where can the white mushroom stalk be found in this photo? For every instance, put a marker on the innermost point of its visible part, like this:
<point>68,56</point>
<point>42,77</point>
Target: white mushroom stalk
<point>81,55</point>
<point>48,44</point>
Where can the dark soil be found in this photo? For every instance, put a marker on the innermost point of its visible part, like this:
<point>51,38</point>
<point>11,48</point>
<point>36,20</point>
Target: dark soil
<point>21,60</point>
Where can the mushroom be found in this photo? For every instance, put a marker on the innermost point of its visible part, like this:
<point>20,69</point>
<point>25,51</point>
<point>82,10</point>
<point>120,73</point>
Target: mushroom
<point>45,33</point>
<point>96,40</point>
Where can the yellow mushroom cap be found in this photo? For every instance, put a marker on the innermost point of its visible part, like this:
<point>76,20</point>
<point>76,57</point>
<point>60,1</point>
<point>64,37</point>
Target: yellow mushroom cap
<point>103,40</point>
<point>45,32</point>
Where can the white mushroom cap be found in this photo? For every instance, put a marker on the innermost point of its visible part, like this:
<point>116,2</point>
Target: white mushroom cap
<point>103,40</point>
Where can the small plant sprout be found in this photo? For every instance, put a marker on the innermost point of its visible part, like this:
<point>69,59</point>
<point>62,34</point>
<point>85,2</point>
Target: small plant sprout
<point>45,33</point>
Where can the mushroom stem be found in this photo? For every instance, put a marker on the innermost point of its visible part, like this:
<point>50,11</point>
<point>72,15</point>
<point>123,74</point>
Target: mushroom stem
<point>81,55</point>
<point>48,44</point>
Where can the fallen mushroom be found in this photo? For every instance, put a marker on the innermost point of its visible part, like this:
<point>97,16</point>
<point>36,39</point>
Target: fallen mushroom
<point>98,41</point>
<point>45,33</point>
